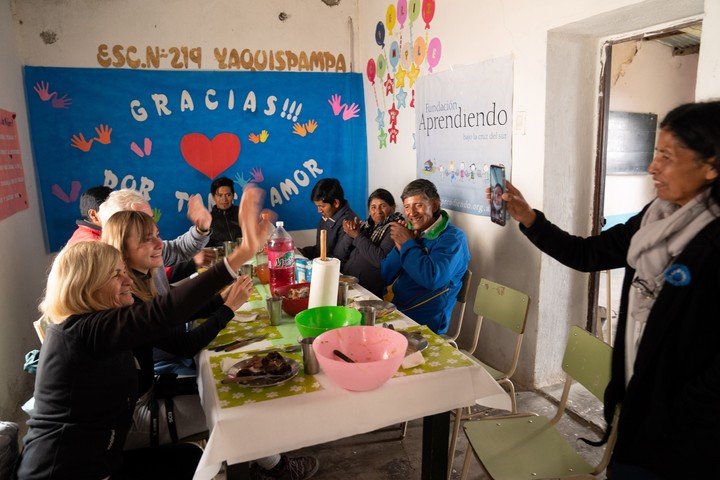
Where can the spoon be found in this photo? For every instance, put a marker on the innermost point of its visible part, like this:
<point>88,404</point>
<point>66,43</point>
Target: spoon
<point>342,356</point>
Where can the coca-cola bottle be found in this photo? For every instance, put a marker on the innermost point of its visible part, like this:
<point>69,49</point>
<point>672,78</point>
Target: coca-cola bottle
<point>281,258</point>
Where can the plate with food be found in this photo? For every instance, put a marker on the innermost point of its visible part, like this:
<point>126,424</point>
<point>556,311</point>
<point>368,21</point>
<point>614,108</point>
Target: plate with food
<point>382,307</point>
<point>262,370</point>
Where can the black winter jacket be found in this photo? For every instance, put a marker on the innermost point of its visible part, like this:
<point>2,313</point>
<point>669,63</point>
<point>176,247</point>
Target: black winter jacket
<point>670,410</point>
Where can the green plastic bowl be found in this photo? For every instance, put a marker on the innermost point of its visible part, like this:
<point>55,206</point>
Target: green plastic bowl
<point>314,321</point>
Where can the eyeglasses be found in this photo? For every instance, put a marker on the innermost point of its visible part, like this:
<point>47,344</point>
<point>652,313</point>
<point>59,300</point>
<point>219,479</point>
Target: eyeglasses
<point>644,288</point>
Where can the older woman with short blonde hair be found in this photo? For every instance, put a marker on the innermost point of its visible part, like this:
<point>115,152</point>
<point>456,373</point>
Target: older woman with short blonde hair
<point>86,385</point>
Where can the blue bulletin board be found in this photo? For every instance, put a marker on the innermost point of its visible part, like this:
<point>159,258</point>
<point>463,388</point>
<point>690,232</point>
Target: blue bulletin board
<point>168,134</point>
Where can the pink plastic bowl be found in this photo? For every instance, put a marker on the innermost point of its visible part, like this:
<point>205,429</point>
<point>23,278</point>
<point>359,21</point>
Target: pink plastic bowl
<point>378,353</point>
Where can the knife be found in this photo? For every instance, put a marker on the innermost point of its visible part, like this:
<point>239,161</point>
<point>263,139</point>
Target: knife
<point>235,344</point>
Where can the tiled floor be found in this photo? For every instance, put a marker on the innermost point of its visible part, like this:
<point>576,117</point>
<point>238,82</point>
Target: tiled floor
<point>368,457</point>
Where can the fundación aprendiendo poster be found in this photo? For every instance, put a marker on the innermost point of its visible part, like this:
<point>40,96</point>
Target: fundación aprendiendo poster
<point>463,124</point>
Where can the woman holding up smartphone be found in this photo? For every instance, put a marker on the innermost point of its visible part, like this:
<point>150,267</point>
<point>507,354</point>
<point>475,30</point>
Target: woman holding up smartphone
<point>666,362</point>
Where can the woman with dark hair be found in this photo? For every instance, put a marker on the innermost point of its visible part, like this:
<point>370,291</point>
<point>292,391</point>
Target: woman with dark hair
<point>666,360</point>
<point>365,244</point>
<point>329,198</point>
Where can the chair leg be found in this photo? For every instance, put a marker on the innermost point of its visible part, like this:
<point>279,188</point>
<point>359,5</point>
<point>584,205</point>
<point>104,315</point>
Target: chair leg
<point>453,440</point>
<point>512,397</point>
<point>403,431</point>
<point>466,463</point>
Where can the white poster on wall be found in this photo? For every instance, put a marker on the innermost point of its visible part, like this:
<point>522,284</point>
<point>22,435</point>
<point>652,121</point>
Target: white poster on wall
<point>463,124</point>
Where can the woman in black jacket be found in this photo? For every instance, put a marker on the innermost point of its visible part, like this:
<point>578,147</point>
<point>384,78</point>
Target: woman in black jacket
<point>365,244</point>
<point>86,384</point>
<point>666,360</point>
<point>136,236</point>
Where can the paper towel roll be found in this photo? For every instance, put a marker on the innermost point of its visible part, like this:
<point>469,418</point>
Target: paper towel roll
<point>324,282</point>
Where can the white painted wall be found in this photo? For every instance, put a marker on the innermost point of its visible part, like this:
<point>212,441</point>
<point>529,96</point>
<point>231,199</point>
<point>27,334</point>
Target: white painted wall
<point>646,78</point>
<point>22,263</point>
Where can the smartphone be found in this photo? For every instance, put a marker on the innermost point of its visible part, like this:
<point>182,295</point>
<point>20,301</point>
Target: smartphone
<point>497,188</point>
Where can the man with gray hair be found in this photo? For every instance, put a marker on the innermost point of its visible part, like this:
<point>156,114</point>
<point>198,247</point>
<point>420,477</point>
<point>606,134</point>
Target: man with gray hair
<point>183,247</point>
<point>429,259</point>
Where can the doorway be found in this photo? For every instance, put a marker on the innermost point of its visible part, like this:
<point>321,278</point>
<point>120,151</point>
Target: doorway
<point>649,75</point>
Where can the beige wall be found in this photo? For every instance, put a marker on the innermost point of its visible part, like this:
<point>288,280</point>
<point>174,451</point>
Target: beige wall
<point>23,262</point>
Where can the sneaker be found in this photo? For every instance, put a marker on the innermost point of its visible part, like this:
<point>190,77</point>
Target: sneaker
<point>297,468</point>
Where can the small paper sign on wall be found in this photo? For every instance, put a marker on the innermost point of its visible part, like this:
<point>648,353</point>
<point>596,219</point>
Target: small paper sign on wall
<point>13,196</point>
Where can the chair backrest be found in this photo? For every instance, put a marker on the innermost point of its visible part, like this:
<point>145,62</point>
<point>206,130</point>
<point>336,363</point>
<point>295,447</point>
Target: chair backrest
<point>40,325</point>
<point>587,360</point>
<point>459,311</point>
<point>502,305</point>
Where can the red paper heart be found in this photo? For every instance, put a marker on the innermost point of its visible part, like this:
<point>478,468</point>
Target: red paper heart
<point>210,157</point>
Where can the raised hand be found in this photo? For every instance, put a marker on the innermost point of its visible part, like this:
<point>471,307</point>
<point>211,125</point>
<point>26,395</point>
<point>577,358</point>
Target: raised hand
<point>351,111</point>
<point>238,293</point>
<point>204,258</point>
<point>43,91</point>
<point>257,175</point>
<point>351,227</point>
<point>335,104</point>
<point>264,136</point>
<point>516,205</point>
<point>400,234</point>
<point>254,233</point>
<point>310,126</point>
<point>198,214</point>
<point>62,102</point>
<point>299,129</point>
<point>79,142</point>
<point>103,134</point>
<point>254,138</point>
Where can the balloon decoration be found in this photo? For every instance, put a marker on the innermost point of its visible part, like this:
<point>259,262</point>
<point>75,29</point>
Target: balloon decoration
<point>380,34</point>
<point>409,57</point>
<point>405,56</point>
<point>414,9</point>
<point>419,51</point>
<point>394,55</point>
<point>381,66</point>
<point>433,53</point>
<point>402,12</point>
<point>390,18</point>
<point>371,69</point>
<point>428,11</point>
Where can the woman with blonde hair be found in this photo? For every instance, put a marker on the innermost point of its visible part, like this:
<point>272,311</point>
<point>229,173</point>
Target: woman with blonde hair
<point>136,236</point>
<point>86,385</point>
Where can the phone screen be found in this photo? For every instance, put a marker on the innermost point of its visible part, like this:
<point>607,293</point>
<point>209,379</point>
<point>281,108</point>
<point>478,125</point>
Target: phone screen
<point>497,188</point>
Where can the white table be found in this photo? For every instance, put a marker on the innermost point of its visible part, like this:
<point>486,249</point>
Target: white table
<point>255,430</point>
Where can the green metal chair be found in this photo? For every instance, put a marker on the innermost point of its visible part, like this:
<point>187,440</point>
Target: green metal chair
<point>508,308</point>
<point>529,446</point>
<point>459,311</point>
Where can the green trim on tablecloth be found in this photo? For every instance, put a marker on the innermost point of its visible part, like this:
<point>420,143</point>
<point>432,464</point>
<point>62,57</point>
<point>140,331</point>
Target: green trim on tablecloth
<point>439,355</point>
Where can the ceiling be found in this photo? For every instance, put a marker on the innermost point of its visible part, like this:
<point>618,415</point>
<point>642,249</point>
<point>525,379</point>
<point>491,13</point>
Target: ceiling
<point>683,41</point>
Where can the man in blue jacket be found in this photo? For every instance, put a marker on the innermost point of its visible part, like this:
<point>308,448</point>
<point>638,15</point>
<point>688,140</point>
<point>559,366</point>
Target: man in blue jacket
<point>429,259</point>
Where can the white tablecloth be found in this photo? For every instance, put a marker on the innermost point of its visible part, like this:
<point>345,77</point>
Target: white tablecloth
<point>255,430</point>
